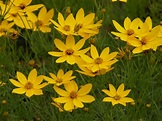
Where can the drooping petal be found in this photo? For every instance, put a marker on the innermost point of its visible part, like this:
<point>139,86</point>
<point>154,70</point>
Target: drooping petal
<point>61,91</point>
<point>84,90</point>
<point>86,98</point>
<point>78,103</point>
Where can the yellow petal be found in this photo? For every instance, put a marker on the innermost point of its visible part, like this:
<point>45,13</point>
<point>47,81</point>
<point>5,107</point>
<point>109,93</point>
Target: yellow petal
<point>70,41</point>
<point>86,98</point>
<point>84,90</point>
<point>149,22</point>
<point>29,93</point>
<point>71,59</point>
<point>80,15</point>
<point>137,50</point>
<point>42,13</point>
<point>108,99</point>
<point>61,91</point>
<point>118,27</point>
<point>120,89</point>
<point>127,23</point>
<point>88,19</point>
<point>112,89</point>
<point>61,59</point>
<point>16,83</point>
<point>69,105</point>
<point>40,86</point>
<point>62,99</point>
<point>125,93</point>
<point>108,93</point>
<point>94,52</point>
<point>60,73</point>
<point>22,79</point>
<point>32,75</point>
<point>57,54</point>
<point>78,103</point>
<point>71,86</point>
<point>59,44</point>
<point>87,58</point>
<point>37,92</point>
<point>19,90</point>
<point>104,52</point>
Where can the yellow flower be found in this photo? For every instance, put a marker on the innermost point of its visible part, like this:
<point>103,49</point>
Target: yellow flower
<point>146,41</point>
<point>30,86</point>
<point>65,26</point>
<point>130,28</point>
<point>61,78</point>
<point>96,63</point>
<point>41,22</point>
<point>73,97</point>
<point>117,96</point>
<point>5,27</point>
<point>119,0</point>
<point>2,83</point>
<point>70,50</point>
<point>85,24</point>
<point>58,105</point>
<point>24,6</point>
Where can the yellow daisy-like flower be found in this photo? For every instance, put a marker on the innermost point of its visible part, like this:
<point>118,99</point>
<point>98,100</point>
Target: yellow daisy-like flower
<point>61,78</point>
<point>129,30</point>
<point>70,50</point>
<point>30,86</point>
<point>5,27</point>
<point>41,22</point>
<point>65,26</point>
<point>73,97</point>
<point>117,96</point>
<point>96,62</point>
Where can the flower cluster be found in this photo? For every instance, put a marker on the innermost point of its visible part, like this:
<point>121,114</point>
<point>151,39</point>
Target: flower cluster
<point>139,34</point>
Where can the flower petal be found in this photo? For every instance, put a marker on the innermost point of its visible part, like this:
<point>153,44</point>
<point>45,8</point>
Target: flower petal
<point>16,83</point>
<point>32,75</point>
<point>69,105</point>
<point>71,86</point>
<point>62,99</point>
<point>22,79</point>
<point>19,90</point>
<point>112,89</point>
<point>86,98</point>
<point>61,91</point>
<point>94,52</point>
<point>78,103</point>
<point>84,90</point>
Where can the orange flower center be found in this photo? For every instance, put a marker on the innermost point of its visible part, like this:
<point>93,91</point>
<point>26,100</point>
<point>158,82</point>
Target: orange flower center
<point>66,28</point>
<point>39,23</point>
<point>73,94</point>
<point>22,6</point>
<point>77,27</point>
<point>130,32</point>
<point>59,80</point>
<point>117,97</point>
<point>28,85</point>
<point>98,60</point>
<point>69,51</point>
<point>143,41</point>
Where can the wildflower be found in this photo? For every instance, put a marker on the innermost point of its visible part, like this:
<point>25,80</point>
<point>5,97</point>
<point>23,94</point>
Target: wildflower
<point>73,97</point>
<point>5,27</point>
<point>14,34</point>
<point>65,26</point>
<point>61,78</point>
<point>30,86</point>
<point>2,83</point>
<point>70,50</point>
<point>96,63</point>
<point>117,96</point>
<point>146,41</point>
<point>41,22</point>
<point>130,28</point>
<point>58,105</point>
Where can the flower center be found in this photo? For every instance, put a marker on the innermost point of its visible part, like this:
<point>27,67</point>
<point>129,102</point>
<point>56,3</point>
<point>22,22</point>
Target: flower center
<point>59,80</point>
<point>22,6</point>
<point>66,28</point>
<point>69,51</point>
<point>39,23</point>
<point>117,97</point>
<point>130,32</point>
<point>143,41</point>
<point>98,60</point>
<point>73,94</point>
<point>77,27</point>
<point>28,85</point>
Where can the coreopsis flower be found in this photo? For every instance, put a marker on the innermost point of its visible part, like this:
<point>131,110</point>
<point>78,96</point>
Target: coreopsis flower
<point>24,6</point>
<point>129,30</point>
<point>30,86</point>
<point>41,22</point>
<point>117,96</point>
<point>99,62</point>
<point>61,77</point>
<point>72,97</point>
<point>65,26</point>
<point>119,0</point>
<point>146,41</point>
<point>85,24</point>
<point>5,27</point>
<point>70,51</point>
<point>58,105</point>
